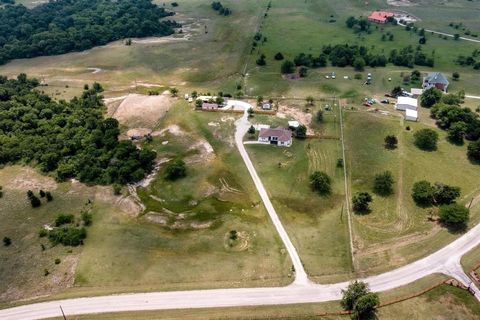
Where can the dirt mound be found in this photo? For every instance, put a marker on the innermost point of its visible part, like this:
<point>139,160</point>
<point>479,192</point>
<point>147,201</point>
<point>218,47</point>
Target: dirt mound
<point>205,152</point>
<point>142,111</point>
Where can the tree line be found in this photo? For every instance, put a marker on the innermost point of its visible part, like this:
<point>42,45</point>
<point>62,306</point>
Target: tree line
<point>64,26</point>
<point>224,11</point>
<point>67,139</point>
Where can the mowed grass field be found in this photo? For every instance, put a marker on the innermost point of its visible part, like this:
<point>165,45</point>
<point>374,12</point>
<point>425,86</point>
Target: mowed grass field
<point>390,235</point>
<point>292,27</point>
<point>317,225</point>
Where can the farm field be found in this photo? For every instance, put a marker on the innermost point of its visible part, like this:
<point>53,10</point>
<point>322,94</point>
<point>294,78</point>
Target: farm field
<point>389,235</point>
<point>317,225</point>
<point>295,27</point>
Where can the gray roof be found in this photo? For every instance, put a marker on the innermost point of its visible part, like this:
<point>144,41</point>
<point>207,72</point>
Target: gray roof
<point>283,135</point>
<point>436,77</point>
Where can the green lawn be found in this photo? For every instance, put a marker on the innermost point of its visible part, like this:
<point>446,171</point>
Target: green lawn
<point>390,234</point>
<point>317,225</point>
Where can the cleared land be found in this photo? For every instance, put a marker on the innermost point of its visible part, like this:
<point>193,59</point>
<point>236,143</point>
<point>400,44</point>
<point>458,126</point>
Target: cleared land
<point>317,225</point>
<point>390,234</point>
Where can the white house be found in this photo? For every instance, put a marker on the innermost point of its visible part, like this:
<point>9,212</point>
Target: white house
<point>411,115</point>
<point>404,103</point>
<point>278,136</point>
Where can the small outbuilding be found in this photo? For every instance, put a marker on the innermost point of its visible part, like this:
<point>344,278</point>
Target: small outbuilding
<point>415,92</point>
<point>266,106</point>
<point>411,115</point>
<point>404,103</point>
<point>209,106</point>
<point>293,124</point>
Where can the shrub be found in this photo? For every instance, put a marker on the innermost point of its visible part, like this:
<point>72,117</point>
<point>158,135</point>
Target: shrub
<point>42,194</point>
<point>301,132</point>
<point>319,116</point>
<point>42,233</point>
<point>361,201</point>
<point>383,183</point>
<point>391,142</point>
<point>176,170</point>
<point>454,216</point>
<point>68,236</point>
<point>287,67</point>
<point>57,261</point>
<point>422,193</point>
<point>430,97</point>
<point>278,56</point>
<point>7,241</point>
<point>63,219</point>
<point>49,196</point>
<point>320,182</point>
<point>117,189</point>
<point>474,151</point>
<point>426,139</point>
<point>87,218</point>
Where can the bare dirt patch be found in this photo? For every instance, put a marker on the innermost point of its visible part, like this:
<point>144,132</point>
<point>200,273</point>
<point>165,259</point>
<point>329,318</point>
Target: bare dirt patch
<point>26,178</point>
<point>294,112</point>
<point>401,3</point>
<point>241,243</point>
<point>173,129</point>
<point>141,110</point>
<point>205,152</point>
<point>138,132</point>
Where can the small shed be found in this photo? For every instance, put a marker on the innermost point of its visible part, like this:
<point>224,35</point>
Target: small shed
<point>411,115</point>
<point>404,103</point>
<point>266,106</point>
<point>416,92</point>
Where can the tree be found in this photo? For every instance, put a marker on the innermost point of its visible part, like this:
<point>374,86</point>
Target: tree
<point>7,241</point>
<point>62,219</point>
<point>301,132</point>
<point>278,56</point>
<point>174,92</point>
<point>49,196</point>
<point>287,67</point>
<point>457,132</point>
<point>320,182</point>
<point>261,61</point>
<point>456,36</point>
<point>354,291</point>
<point>422,40</point>
<point>397,91</point>
<point>455,76</point>
<point>422,193</point>
<point>34,201</point>
<point>365,307</point>
<point>319,116</point>
<point>176,170</point>
<point>198,104</point>
<point>445,194</point>
<point>250,112</point>
<point>251,130</point>
<point>302,72</point>
<point>359,63</point>
<point>361,201</point>
<point>430,97</point>
<point>391,142</point>
<point>351,22</point>
<point>426,139</point>
<point>473,151</point>
<point>383,184</point>
<point>454,216</point>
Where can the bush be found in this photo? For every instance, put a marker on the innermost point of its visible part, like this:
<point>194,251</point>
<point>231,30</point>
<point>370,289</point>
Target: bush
<point>383,183</point>
<point>287,67</point>
<point>361,201</point>
<point>301,132</point>
<point>474,151</point>
<point>68,236</point>
<point>49,196</point>
<point>176,170</point>
<point>42,194</point>
<point>7,241</point>
<point>319,116</point>
<point>42,233</point>
<point>320,182</point>
<point>57,261</point>
<point>64,219</point>
<point>454,216</point>
<point>426,139</point>
<point>117,189</point>
<point>87,218</point>
<point>422,193</point>
<point>279,56</point>
<point>391,142</point>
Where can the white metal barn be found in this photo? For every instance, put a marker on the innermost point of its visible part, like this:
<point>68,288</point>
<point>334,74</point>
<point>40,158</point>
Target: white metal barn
<point>411,115</point>
<point>404,103</point>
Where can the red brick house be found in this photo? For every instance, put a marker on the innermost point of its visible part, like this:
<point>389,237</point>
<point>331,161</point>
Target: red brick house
<point>380,16</point>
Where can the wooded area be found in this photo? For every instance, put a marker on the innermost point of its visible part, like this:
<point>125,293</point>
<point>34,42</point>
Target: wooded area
<point>64,26</point>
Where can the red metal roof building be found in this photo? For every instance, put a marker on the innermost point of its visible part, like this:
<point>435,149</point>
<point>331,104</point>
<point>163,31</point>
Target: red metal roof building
<point>380,16</point>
